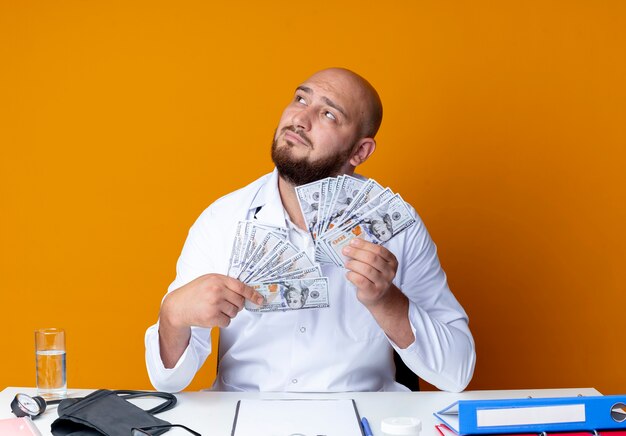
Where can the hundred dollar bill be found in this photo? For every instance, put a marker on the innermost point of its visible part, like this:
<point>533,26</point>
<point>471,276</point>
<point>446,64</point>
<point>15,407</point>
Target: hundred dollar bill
<point>370,196</point>
<point>320,211</point>
<point>321,254</point>
<point>370,189</point>
<point>283,295</point>
<point>241,255</point>
<point>299,261</point>
<point>346,191</point>
<point>382,197</point>
<point>325,203</point>
<point>377,226</point>
<point>263,249</point>
<point>252,240</point>
<point>322,257</point>
<point>308,273</point>
<point>282,231</point>
<point>372,204</point>
<point>283,251</point>
<point>248,234</point>
<point>257,235</point>
<point>309,200</point>
<point>235,255</point>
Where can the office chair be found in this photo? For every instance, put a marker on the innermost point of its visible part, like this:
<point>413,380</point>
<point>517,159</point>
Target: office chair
<point>404,375</point>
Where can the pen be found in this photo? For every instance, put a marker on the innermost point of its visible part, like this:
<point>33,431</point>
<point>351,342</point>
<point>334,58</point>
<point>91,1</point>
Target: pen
<point>366,427</point>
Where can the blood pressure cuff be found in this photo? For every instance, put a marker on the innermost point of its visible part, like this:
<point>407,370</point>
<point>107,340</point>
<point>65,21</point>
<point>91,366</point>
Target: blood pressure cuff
<point>108,413</point>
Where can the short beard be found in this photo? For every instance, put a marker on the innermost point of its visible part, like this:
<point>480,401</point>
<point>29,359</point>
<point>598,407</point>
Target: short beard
<point>301,171</point>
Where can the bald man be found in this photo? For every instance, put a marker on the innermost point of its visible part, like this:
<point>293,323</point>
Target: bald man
<point>385,298</point>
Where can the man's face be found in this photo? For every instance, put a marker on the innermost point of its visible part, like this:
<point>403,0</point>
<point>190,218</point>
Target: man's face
<point>318,130</point>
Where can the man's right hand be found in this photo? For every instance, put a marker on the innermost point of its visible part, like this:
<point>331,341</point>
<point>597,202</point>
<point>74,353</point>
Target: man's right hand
<point>211,300</point>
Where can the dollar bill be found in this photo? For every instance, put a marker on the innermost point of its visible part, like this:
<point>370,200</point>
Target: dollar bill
<point>299,261</point>
<point>247,229</point>
<point>322,205</point>
<point>276,256</point>
<point>326,202</point>
<point>257,235</point>
<point>253,238</point>
<point>355,215</point>
<point>263,249</point>
<point>369,190</point>
<point>347,190</point>
<point>309,201</point>
<point>283,295</point>
<point>249,235</point>
<point>380,198</point>
<point>321,254</point>
<point>378,226</point>
<point>282,231</point>
<point>235,263</point>
<point>308,273</point>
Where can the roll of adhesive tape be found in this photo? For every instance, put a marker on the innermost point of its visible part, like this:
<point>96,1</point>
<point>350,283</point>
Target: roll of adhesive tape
<point>405,426</point>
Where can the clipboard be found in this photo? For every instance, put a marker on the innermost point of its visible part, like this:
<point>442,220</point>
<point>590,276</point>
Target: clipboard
<point>328,417</point>
<point>535,415</point>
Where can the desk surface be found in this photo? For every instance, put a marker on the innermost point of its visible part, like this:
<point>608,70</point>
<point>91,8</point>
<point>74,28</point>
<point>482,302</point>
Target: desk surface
<point>212,413</point>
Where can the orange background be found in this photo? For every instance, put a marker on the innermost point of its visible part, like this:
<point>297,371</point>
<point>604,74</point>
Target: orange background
<point>504,126</point>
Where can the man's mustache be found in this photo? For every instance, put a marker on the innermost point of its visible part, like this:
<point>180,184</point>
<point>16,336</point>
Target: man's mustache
<point>300,133</point>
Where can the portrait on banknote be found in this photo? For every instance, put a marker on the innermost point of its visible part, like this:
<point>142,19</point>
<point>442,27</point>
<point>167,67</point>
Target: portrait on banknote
<point>295,297</point>
<point>380,228</point>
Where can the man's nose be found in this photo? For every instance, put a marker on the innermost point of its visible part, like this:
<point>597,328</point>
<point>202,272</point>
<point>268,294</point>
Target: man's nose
<point>302,119</point>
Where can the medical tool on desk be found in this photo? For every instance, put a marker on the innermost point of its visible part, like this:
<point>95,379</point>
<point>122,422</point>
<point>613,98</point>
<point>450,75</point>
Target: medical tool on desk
<point>25,405</point>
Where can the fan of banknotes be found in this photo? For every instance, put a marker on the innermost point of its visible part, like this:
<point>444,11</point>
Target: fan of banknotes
<point>287,278</point>
<point>339,209</point>
<point>336,210</point>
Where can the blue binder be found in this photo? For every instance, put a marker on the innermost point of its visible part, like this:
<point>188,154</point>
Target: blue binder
<point>528,415</point>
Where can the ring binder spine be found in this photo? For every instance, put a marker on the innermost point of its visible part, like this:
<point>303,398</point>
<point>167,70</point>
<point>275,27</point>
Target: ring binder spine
<point>444,430</point>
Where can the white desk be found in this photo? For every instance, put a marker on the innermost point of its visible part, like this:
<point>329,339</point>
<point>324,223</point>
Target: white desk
<point>212,413</point>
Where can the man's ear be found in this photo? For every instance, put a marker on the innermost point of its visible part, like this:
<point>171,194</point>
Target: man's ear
<point>362,151</point>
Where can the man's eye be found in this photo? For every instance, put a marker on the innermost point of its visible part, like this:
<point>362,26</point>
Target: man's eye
<point>300,100</point>
<point>330,115</point>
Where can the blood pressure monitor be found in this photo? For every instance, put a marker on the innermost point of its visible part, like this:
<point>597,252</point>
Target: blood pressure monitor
<point>25,405</point>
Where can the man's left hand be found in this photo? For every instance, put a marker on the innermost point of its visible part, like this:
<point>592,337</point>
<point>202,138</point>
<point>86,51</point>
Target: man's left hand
<point>371,269</point>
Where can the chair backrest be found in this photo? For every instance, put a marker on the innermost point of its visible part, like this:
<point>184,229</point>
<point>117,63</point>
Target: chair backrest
<point>404,375</point>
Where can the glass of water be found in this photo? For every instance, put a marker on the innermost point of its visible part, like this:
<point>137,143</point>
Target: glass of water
<point>50,362</point>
